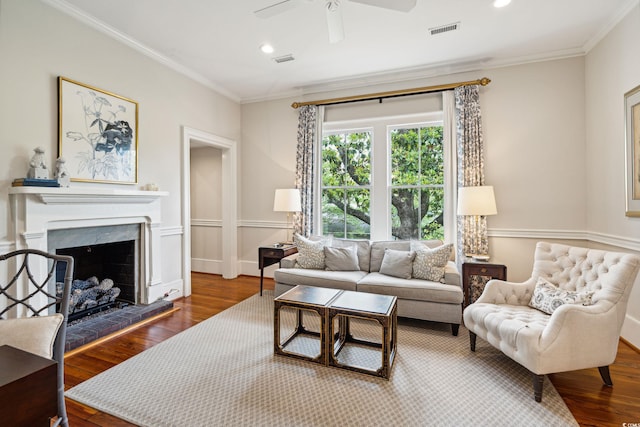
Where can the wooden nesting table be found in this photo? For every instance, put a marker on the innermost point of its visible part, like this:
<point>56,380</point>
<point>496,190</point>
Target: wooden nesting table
<point>335,310</point>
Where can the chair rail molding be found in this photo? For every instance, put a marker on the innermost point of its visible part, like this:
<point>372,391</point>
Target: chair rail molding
<point>596,237</point>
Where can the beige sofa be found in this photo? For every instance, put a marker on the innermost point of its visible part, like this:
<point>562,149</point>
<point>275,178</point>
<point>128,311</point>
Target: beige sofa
<point>417,298</point>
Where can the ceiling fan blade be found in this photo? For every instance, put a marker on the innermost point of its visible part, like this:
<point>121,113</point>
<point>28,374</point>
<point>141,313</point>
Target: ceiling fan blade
<point>276,8</point>
<point>334,22</point>
<point>399,5</point>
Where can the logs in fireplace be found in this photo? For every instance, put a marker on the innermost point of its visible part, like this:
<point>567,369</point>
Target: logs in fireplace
<point>91,296</point>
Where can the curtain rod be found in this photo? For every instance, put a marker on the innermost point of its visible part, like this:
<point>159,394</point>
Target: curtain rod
<point>392,94</point>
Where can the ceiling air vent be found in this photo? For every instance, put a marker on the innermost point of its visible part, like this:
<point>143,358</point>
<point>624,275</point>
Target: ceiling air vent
<point>444,28</point>
<point>284,58</point>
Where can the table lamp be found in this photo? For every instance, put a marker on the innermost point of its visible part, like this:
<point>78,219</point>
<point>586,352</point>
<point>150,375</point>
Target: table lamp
<point>477,201</point>
<point>287,200</point>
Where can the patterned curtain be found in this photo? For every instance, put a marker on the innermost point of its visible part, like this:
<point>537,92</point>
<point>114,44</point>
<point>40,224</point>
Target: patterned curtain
<point>472,231</point>
<point>307,134</point>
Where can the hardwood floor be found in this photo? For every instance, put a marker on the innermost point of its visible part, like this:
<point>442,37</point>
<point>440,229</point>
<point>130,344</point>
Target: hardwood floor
<point>590,402</point>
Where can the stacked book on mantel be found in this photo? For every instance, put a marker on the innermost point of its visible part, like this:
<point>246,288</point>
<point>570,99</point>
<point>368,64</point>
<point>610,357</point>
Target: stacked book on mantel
<point>34,182</point>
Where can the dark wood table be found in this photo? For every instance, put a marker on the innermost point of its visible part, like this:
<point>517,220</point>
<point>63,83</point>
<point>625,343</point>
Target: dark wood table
<point>28,388</point>
<point>269,255</point>
<point>311,299</point>
<point>486,271</point>
<point>381,309</point>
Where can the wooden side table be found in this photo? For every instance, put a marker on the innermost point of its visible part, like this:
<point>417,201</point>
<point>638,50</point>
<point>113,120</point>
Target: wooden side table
<point>269,255</point>
<point>476,274</point>
<point>28,388</point>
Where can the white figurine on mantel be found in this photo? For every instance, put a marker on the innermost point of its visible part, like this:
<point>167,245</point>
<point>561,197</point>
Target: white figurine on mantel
<point>37,166</point>
<point>61,174</point>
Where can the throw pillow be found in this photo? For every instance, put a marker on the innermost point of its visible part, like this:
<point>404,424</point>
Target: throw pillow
<point>397,263</point>
<point>33,334</point>
<point>311,252</point>
<point>429,263</point>
<point>341,259</point>
<point>547,297</point>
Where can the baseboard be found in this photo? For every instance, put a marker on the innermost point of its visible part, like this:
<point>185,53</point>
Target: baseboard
<point>633,347</point>
<point>209,266</point>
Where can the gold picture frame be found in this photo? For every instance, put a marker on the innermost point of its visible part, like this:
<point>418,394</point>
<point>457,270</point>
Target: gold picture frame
<point>632,141</point>
<point>98,134</point>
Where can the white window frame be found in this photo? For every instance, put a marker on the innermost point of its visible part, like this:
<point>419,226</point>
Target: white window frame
<point>380,170</point>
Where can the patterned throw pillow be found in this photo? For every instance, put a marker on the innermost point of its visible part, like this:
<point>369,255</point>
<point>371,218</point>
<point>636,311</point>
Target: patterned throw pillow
<point>311,252</point>
<point>397,263</point>
<point>429,263</point>
<point>547,297</point>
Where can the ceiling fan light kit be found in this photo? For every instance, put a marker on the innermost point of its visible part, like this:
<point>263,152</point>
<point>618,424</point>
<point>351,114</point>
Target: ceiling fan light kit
<point>333,8</point>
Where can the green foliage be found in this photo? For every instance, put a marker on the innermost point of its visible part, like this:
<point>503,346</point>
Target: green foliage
<point>417,178</point>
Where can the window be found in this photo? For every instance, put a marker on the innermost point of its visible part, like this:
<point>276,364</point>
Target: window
<point>346,179</point>
<point>417,182</point>
<point>385,177</point>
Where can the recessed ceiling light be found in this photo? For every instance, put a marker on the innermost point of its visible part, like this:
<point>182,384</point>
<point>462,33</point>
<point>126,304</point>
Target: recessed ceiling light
<point>266,48</point>
<point>501,3</point>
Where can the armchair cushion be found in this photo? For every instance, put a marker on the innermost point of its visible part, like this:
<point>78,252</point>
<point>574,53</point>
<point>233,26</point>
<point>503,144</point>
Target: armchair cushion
<point>33,334</point>
<point>547,296</point>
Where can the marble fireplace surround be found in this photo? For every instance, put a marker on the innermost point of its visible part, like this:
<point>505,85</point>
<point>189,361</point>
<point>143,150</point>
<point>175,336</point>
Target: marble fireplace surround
<point>37,210</point>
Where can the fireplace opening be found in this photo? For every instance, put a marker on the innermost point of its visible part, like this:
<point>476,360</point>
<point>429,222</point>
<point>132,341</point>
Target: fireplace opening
<point>104,277</point>
<point>106,266</point>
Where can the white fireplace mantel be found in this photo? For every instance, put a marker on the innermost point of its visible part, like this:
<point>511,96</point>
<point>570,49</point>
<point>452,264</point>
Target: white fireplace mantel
<point>53,195</point>
<point>36,210</point>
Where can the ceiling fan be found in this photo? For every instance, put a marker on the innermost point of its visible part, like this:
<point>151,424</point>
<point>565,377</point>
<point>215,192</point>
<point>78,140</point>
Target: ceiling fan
<point>334,12</point>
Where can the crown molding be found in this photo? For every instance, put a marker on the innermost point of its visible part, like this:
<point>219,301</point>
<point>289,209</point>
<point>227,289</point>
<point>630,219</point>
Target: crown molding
<point>615,20</point>
<point>92,22</point>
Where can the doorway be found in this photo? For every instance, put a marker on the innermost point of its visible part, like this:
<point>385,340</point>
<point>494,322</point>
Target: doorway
<point>195,138</point>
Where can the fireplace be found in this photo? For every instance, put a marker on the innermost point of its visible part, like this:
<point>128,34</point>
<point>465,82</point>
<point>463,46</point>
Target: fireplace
<point>85,222</point>
<point>108,252</point>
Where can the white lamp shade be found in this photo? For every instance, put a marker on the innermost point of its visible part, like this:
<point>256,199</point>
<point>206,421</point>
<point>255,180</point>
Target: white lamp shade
<point>478,200</point>
<point>287,200</point>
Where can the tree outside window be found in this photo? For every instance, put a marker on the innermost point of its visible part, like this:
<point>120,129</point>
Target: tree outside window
<point>346,177</point>
<point>417,182</point>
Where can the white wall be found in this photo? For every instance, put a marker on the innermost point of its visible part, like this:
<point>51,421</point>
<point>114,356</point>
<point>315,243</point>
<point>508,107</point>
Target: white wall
<point>206,210</point>
<point>611,71</point>
<point>39,43</point>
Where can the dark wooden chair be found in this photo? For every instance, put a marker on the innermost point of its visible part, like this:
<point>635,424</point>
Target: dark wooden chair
<point>40,287</point>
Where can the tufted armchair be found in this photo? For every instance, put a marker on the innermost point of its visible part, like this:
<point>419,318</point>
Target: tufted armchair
<point>587,311</point>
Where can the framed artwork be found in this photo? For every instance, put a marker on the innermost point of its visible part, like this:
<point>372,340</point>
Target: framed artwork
<point>632,141</point>
<point>98,134</point>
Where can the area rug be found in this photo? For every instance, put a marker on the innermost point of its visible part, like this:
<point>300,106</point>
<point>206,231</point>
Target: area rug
<point>223,372</point>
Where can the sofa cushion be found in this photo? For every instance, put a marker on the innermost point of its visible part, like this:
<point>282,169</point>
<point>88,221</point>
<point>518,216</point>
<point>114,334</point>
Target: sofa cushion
<point>311,252</point>
<point>429,264</point>
<point>346,280</point>
<point>377,251</point>
<point>363,247</point>
<point>412,289</point>
<point>341,259</point>
<point>547,297</point>
<point>397,263</point>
